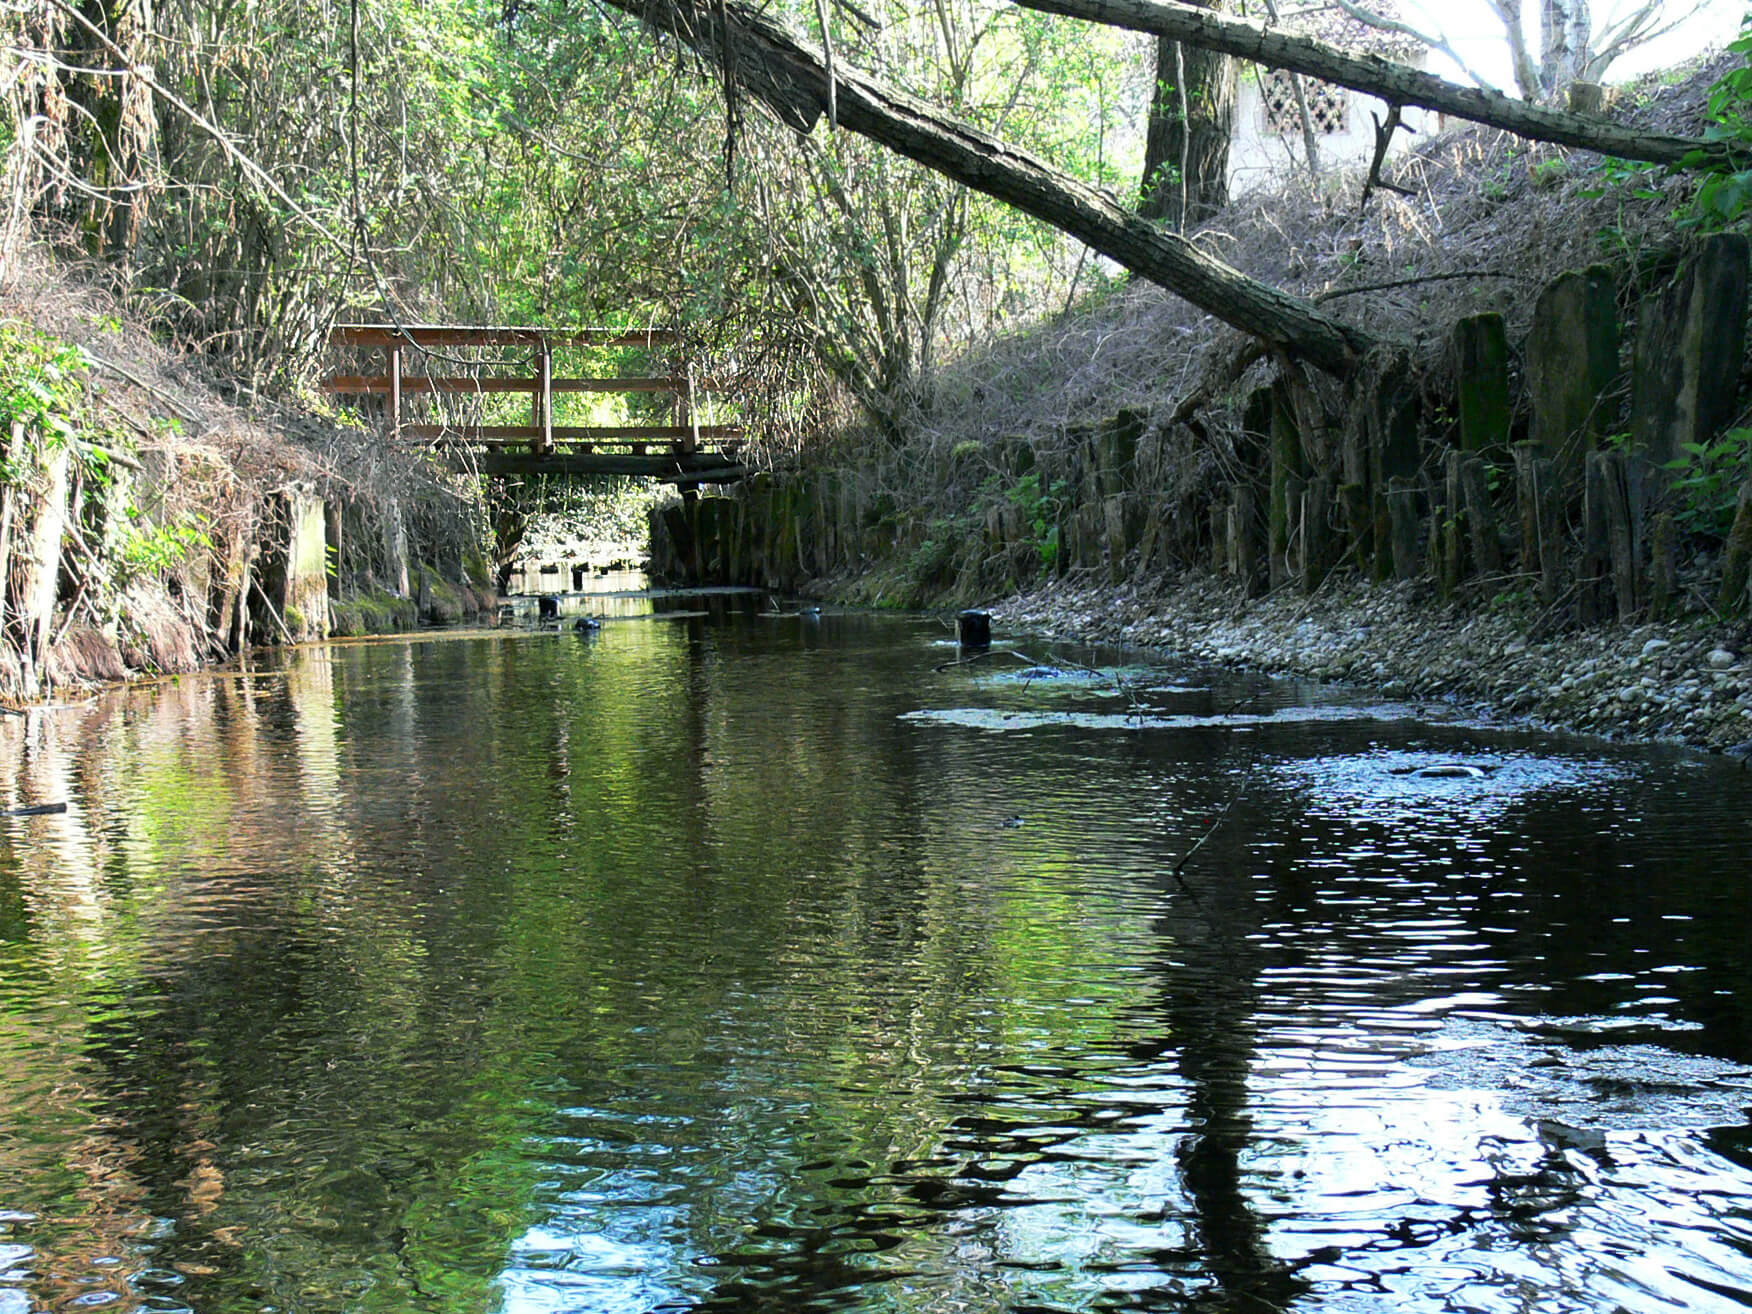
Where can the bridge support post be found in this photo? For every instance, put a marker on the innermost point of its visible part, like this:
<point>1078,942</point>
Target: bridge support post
<point>395,393</point>
<point>544,402</point>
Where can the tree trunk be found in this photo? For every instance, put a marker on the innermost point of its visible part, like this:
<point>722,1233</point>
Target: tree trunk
<point>1565,29</point>
<point>1395,83</point>
<point>1186,145</point>
<point>792,79</point>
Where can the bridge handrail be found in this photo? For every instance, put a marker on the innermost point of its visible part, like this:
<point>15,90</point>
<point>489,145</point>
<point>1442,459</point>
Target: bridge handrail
<point>494,335</point>
<point>683,462</point>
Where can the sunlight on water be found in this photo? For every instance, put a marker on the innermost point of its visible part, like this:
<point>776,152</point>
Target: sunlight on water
<point>735,963</point>
<point>1000,719</point>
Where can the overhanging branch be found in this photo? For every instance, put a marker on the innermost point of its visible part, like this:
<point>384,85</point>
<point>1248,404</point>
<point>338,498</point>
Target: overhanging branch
<point>1396,84</point>
<point>792,79</point>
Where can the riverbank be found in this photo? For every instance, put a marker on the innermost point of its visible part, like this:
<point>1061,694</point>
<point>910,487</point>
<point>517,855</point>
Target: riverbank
<point>1687,681</point>
<point>157,516</point>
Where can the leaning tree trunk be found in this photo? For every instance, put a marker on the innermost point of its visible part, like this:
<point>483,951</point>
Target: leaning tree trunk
<point>1186,145</point>
<point>1397,84</point>
<point>765,59</point>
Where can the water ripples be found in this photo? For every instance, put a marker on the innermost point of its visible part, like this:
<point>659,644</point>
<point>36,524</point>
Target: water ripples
<point>726,965</point>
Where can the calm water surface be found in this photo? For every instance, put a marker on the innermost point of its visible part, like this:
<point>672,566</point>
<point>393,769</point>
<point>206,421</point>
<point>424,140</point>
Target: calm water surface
<point>732,962</point>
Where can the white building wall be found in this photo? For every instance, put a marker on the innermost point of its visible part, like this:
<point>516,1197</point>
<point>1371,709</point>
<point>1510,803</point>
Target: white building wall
<point>1258,155</point>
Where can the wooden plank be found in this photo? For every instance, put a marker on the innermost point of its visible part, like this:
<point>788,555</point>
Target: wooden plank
<point>701,468</point>
<point>370,385</point>
<point>501,433</point>
<point>491,335</point>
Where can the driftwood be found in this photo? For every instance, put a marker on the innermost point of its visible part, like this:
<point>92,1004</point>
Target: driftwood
<point>36,810</point>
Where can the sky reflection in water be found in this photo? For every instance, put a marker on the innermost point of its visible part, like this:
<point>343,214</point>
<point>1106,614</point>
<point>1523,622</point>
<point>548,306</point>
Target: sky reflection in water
<point>731,963</point>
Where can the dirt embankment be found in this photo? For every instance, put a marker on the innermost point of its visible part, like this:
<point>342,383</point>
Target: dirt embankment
<point>1453,520</point>
<point>156,519</point>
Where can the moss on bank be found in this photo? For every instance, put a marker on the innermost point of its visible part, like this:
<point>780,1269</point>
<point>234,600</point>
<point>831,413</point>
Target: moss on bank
<point>374,612</point>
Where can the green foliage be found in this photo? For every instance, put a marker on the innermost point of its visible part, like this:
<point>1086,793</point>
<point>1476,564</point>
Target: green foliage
<point>1041,508</point>
<point>146,548</point>
<point>372,613</point>
<point>42,386</point>
<point>1707,479</point>
<point>931,561</point>
<point>1725,195</point>
<point>1547,174</point>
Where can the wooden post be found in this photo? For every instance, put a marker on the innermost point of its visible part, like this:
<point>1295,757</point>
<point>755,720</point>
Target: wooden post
<point>1737,556</point>
<point>1481,378</point>
<point>1286,465</point>
<point>333,520</point>
<point>1487,548</point>
<point>687,417</point>
<point>1359,520</point>
<point>1621,531</point>
<point>690,418</point>
<point>395,393</point>
<point>1316,532</point>
<point>1663,565</point>
<point>1541,527</point>
<point>239,637</point>
<point>8,509</point>
<point>544,401</point>
<point>1402,516</point>
<point>1294,545</point>
<point>1593,600</point>
<point>1453,550</point>
<point>1244,541</point>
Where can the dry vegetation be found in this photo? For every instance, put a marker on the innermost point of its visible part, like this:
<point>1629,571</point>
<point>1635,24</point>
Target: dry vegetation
<point>195,455</point>
<point>1493,220</point>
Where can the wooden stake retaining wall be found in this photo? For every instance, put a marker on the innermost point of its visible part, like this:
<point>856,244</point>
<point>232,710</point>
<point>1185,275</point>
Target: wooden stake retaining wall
<point>1579,511</point>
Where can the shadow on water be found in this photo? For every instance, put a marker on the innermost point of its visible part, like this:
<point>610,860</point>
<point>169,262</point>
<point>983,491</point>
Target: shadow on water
<point>687,966</point>
<point>1195,1054</point>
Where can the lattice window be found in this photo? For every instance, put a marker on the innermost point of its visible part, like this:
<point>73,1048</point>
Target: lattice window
<point>1328,105</point>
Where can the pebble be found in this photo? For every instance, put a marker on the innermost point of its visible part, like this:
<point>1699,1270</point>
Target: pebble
<point>1675,680</point>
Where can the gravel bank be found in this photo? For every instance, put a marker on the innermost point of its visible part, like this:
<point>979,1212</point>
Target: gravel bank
<point>1687,681</point>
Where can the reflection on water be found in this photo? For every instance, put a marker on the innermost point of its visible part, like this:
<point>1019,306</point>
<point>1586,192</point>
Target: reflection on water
<point>723,960</point>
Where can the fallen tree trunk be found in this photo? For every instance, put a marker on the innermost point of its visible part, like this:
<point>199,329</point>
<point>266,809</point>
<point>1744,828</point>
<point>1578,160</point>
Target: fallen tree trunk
<point>1396,84</point>
<point>759,56</point>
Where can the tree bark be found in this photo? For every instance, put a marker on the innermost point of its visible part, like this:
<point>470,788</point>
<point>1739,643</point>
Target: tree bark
<point>759,56</point>
<point>1186,144</point>
<point>1395,83</point>
<point>1566,27</point>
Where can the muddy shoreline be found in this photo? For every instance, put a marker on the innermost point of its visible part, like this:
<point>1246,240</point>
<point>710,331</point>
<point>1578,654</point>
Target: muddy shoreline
<point>1687,681</point>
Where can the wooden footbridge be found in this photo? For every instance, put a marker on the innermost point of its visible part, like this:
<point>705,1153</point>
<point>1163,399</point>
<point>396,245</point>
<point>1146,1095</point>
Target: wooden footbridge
<point>685,452</point>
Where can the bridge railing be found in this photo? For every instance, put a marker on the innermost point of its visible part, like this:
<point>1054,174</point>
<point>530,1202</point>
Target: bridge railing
<point>688,446</point>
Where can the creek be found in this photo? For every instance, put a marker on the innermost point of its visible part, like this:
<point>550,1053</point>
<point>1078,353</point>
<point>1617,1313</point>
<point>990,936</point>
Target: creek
<point>727,958</point>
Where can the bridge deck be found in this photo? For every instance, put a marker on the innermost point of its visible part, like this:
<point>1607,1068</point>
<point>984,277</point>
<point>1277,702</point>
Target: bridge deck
<point>686,452</point>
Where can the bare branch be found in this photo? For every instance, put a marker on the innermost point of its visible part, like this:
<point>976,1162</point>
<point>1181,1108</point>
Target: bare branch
<point>1395,83</point>
<point>1436,41</point>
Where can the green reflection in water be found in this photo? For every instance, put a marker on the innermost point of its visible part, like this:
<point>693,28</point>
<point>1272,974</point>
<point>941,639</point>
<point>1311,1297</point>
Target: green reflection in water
<point>682,966</point>
<point>354,948</point>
